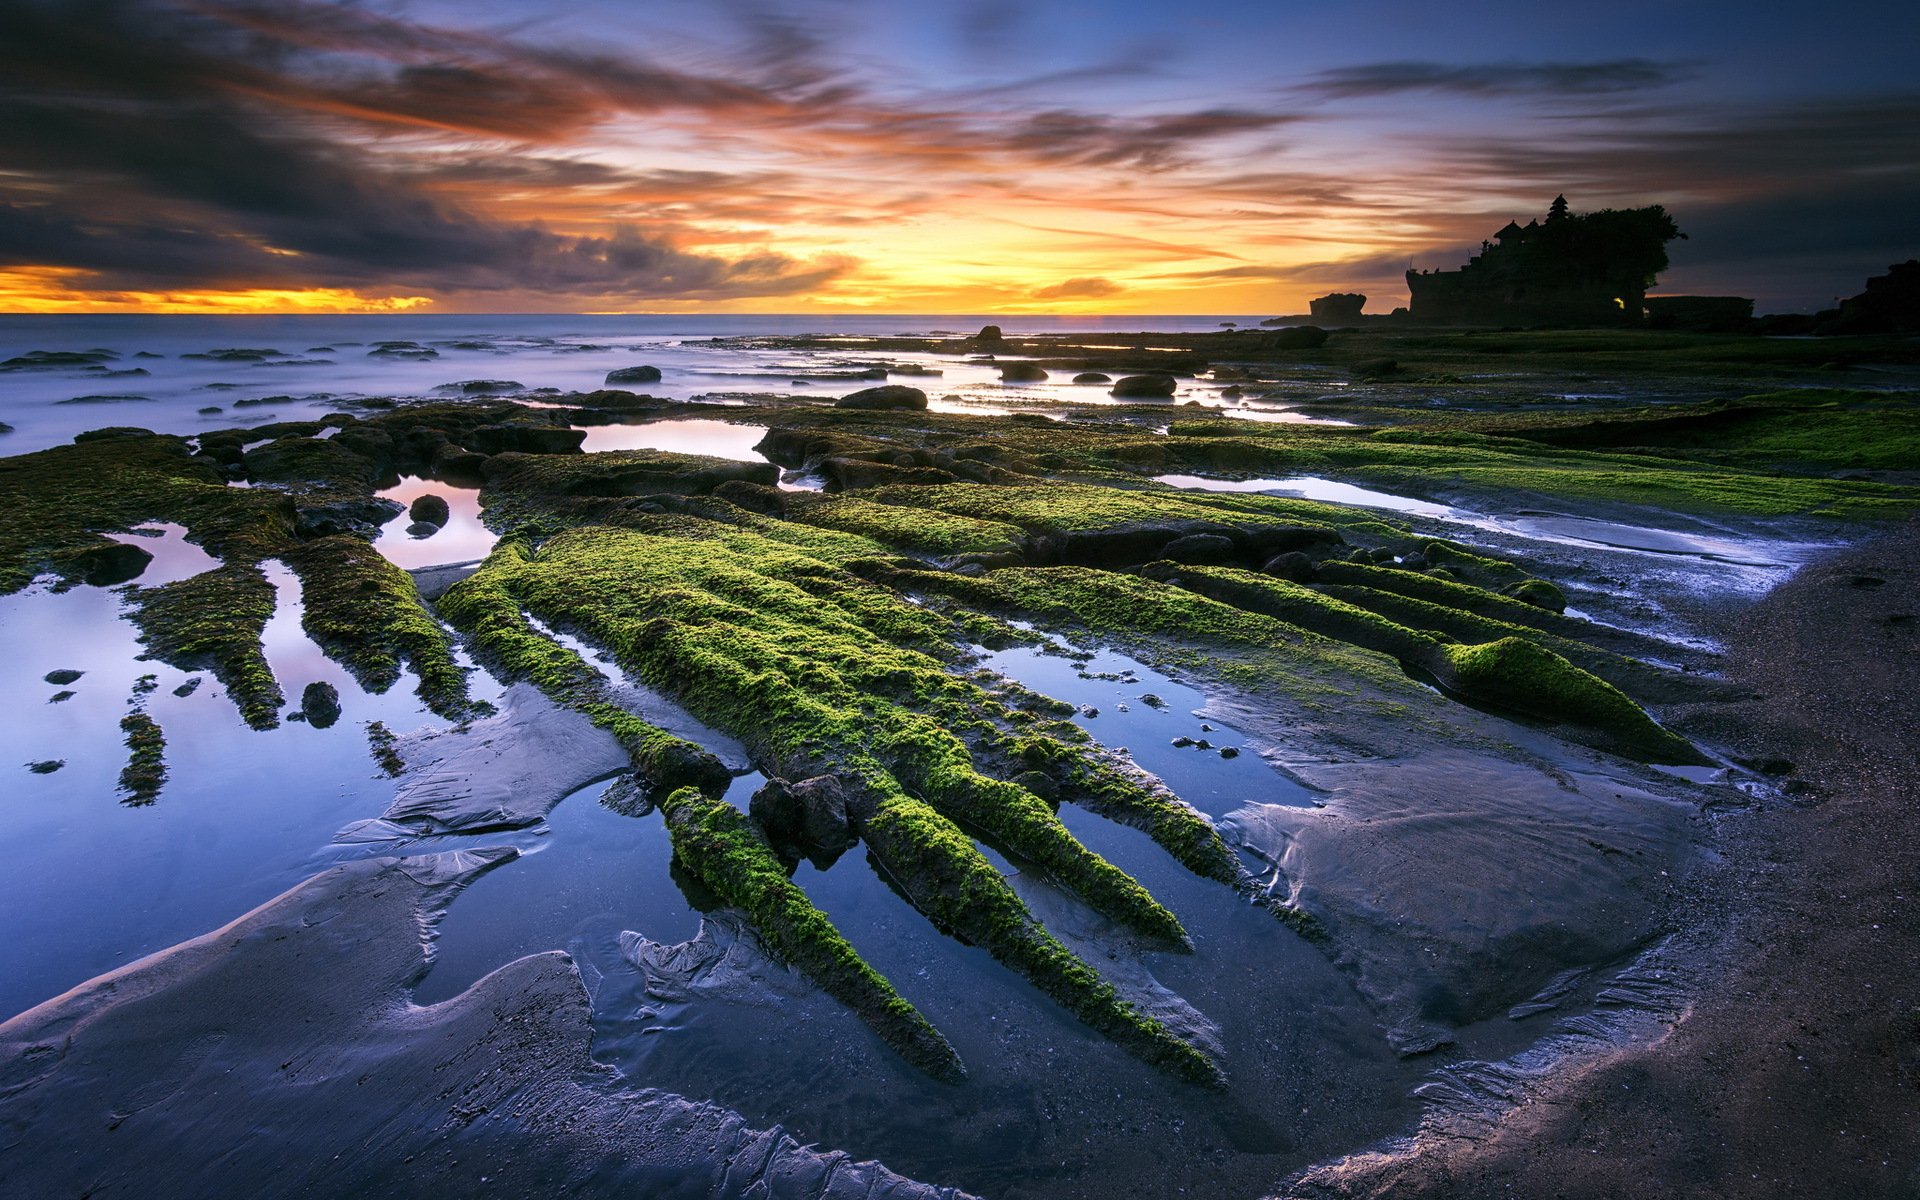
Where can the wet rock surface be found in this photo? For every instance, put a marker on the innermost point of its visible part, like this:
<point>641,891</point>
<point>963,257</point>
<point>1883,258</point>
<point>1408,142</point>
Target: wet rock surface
<point>280,1055</point>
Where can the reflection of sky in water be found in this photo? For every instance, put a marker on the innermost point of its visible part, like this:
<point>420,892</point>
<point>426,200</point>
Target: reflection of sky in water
<point>714,439</point>
<point>462,539</point>
<point>1212,784</point>
<point>92,884</point>
<point>174,558</point>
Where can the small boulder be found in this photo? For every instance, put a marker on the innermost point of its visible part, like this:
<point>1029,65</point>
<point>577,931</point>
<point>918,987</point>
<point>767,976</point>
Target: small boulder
<point>891,396</point>
<point>1539,593</point>
<point>46,766</point>
<point>988,333</point>
<point>1297,337</point>
<point>1376,368</point>
<point>1092,377</point>
<point>360,517</point>
<point>1145,387</point>
<point>430,510</point>
<point>526,439</point>
<point>107,565</point>
<point>1199,548</point>
<point>1022,372</point>
<point>63,676</point>
<point>634,375</point>
<point>320,704</point>
<point>422,529</point>
<point>810,816</point>
<point>1292,566</point>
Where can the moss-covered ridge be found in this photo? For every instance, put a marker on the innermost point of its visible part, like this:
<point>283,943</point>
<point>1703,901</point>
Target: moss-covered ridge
<point>1512,672</point>
<point>821,672</point>
<point>720,845</point>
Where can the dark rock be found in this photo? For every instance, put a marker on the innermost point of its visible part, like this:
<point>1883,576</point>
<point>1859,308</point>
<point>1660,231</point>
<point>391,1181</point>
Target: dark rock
<point>1376,368</point>
<point>1293,566</point>
<point>188,688</point>
<point>1145,387</point>
<point>1229,752</point>
<point>517,438</point>
<point>892,396</point>
<point>1182,742</point>
<point>988,333</point>
<point>634,375</point>
<point>422,529</point>
<point>455,465</point>
<point>1198,548</point>
<point>361,517</point>
<point>430,510</point>
<point>1202,744</point>
<point>1092,377</point>
<point>320,704</point>
<point>754,497</point>
<point>210,410</point>
<point>63,676</point>
<point>485,387</point>
<point>810,816</point>
<point>1040,784</point>
<point>111,433</point>
<point>105,565</point>
<point>1022,372</point>
<point>616,400</point>
<point>61,697</point>
<point>1297,337</point>
<point>1152,701</point>
<point>46,766</point>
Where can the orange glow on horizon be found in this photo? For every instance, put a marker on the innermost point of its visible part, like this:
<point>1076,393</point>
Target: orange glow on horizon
<point>64,290</point>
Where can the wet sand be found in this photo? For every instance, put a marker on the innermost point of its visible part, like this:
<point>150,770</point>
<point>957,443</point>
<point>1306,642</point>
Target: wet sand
<point>1797,1072</point>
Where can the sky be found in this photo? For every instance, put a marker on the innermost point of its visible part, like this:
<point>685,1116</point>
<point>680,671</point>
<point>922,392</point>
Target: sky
<point>936,156</point>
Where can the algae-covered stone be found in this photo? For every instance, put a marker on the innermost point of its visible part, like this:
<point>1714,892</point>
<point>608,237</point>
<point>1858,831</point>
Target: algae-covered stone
<point>892,396</point>
<point>1145,387</point>
<point>320,704</point>
<point>430,509</point>
<point>63,676</point>
<point>624,375</point>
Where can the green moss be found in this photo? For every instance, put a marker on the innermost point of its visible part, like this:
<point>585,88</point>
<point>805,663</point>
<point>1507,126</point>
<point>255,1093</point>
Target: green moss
<point>1539,593</point>
<point>482,608</point>
<point>366,614</point>
<point>1446,592</point>
<point>213,621</point>
<point>1534,679</point>
<point>382,742</point>
<point>946,877</point>
<point>55,504</point>
<point>718,843</point>
<point>919,530</point>
<point>146,770</point>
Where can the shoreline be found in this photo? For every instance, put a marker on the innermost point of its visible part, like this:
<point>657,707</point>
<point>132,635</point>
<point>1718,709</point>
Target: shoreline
<point>1797,1071</point>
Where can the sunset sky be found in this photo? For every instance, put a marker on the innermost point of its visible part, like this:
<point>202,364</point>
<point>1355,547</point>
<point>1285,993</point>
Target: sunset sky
<point>964,156</point>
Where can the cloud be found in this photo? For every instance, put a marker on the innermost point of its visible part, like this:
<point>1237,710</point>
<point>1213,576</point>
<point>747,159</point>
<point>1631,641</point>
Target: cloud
<point>1495,79</point>
<point>155,151</point>
<point>1082,287</point>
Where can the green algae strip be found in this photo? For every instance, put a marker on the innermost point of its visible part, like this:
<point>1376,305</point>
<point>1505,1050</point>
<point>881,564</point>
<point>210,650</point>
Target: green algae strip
<point>213,621</point>
<point>1511,671</point>
<point>947,877</point>
<point>804,663</point>
<point>146,770</point>
<point>718,844</point>
<point>365,613</point>
<point>482,608</point>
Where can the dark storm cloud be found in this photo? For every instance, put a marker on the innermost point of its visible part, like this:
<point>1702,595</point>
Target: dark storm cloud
<point>1494,79</point>
<point>112,109</point>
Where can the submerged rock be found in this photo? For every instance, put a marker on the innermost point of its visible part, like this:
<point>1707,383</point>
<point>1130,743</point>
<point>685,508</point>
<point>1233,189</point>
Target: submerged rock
<point>892,396</point>
<point>642,374</point>
<point>46,766</point>
<point>1145,387</point>
<point>1022,372</point>
<point>1092,377</point>
<point>106,565</point>
<point>63,676</point>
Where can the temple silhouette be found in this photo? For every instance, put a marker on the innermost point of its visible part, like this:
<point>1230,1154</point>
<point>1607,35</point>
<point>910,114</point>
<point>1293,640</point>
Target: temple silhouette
<point>1570,269</point>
